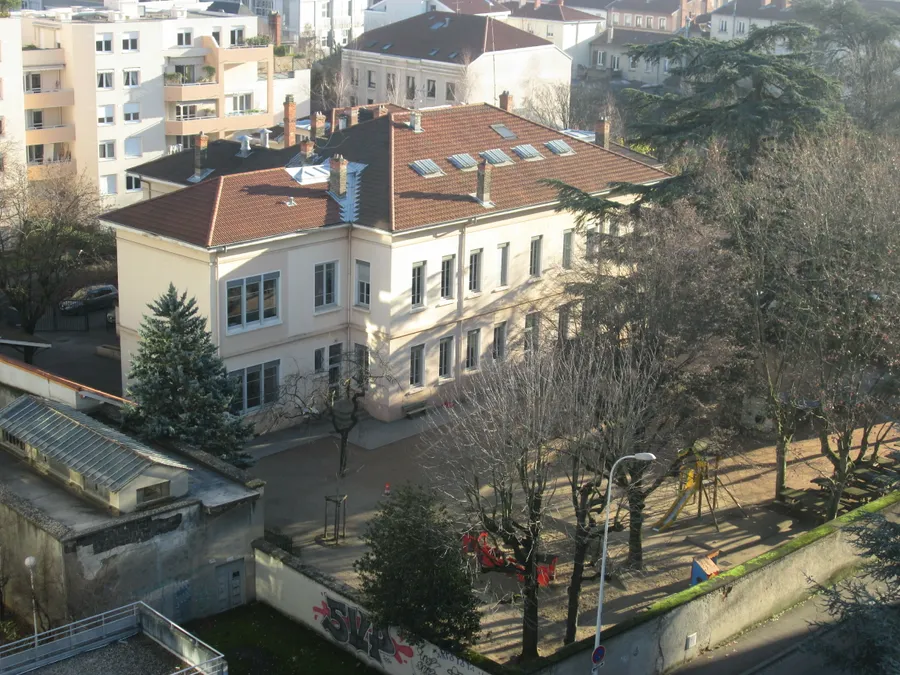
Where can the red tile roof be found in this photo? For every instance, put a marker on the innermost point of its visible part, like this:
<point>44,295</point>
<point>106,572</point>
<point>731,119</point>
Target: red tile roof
<point>442,36</point>
<point>549,12</point>
<point>245,207</point>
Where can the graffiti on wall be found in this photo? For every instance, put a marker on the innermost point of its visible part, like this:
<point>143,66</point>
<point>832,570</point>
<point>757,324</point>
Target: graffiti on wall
<point>350,625</point>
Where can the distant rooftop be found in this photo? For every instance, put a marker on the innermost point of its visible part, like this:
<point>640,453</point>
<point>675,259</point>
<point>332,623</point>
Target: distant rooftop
<point>549,11</point>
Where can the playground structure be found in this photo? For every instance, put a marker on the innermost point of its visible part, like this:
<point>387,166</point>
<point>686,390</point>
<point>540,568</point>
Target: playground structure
<point>698,477</point>
<point>492,559</point>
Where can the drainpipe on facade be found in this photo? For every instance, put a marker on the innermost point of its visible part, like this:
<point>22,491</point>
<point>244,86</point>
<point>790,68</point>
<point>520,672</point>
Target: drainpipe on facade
<point>350,290</point>
<point>460,286</point>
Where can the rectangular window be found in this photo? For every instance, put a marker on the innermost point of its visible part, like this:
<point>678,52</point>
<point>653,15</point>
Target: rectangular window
<point>133,147</point>
<point>632,63</point>
<point>255,386</point>
<point>132,183</point>
<point>105,114</point>
<point>532,330</point>
<point>35,119</point>
<point>319,360</point>
<point>475,271</point>
<point>237,36</point>
<point>363,283</point>
<point>741,27</point>
<point>108,185</point>
<point>665,65</point>
<point>326,285</point>
<point>270,381</point>
<point>104,43</point>
<point>391,82</point>
<point>132,77</point>
<point>104,79</point>
<point>628,19</point>
<point>410,87</point>
<point>662,23</point>
<point>33,83</point>
<point>371,79</point>
<point>107,149</point>
<point>335,365</point>
<point>430,88</point>
<point>417,366</point>
<point>567,249</point>
<point>650,22</point>
<point>35,154</point>
<point>498,350</point>
<point>503,264</point>
<point>448,266</point>
<point>648,66</point>
<point>614,61</point>
<point>132,112</point>
<point>601,59</point>
<point>615,19</point>
<point>152,493</point>
<point>417,293</point>
<point>361,365</point>
<point>354,77</point>
<point>445,358</point>
<point>638,21</point>
<point>326,10</point>
<point>184,38</point>
<point>243,301</point>
<point>473,348</point>
<point>723,26</point>
<point>450,91</point>
<point>186,142</point>
<point>241,103</point>
<point>130,42</point>
<point>534,259</point>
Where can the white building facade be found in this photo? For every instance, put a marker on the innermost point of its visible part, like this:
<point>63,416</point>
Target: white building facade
<point>329,24</point>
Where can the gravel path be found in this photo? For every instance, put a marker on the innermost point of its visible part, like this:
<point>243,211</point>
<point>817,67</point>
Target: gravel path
<point>136,656</point>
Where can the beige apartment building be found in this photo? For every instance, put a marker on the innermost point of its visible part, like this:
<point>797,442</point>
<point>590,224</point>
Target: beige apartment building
<point>108,89</point>
<point>423,237</point>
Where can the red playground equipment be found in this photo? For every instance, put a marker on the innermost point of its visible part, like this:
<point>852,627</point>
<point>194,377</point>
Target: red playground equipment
<point>492,559</point>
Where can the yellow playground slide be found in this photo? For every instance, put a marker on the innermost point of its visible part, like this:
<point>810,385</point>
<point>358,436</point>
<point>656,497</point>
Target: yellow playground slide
<point>688,490</point>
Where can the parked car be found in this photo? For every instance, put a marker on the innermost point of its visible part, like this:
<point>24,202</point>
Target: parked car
<point>89,298</point>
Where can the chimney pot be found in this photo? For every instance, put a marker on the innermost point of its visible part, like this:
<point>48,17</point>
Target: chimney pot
<point>317,126</point>
<point>290,121</point>
<point>264,137</point>
<point>337,179</point>
<point>415,121</point>
<point>483,191</point>
<point>506,101</point>
<point>200,146</point>
<point>602,132</point>
<point>307,149</point>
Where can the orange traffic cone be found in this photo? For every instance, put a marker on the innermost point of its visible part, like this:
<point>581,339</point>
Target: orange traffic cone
<point>387,489</point>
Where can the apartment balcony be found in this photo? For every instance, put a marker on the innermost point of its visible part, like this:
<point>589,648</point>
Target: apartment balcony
<point>251,119</point>
<point>190,125</point>
<point>43,59</point>
<point>61,133</point>
<point>191,91</point>
<point>51,168</point>
<point>38,99</point>
<point>224,125</point>
<point>246,54</point>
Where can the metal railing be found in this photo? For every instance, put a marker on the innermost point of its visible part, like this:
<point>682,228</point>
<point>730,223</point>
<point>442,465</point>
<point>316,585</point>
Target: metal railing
<point>240,113</point>
<point>188,118</point>
<point>39,127</point>
<point>189,84</point>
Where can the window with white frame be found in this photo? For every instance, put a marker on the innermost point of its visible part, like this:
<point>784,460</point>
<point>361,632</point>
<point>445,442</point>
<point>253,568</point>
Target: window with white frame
<point>107,149</point>
<point>184,37</point>
<point>532,331</point>
<point>568,238</point>
<point>33,82</point>
<point>741,27</point>
<point>615,19</point>
<point>241,103</point>
<point>650,22</point>
<point>503,264</point>
<point>632,63</point>
<point>354,77</point>
<point>473,348</point>
<point>130,42</point>
<point>104,43</point>
<point>370,81</point>
<point>475,271</point>
<point>417,290</point>
<point>132,183</point>
<point>133,146</point>
<point>549,30</point>
<point>253,301</point>
<point>629,19</point>
<point>131,112</point>
<point>534,259</point>
<point>104,79</point>
<point>410,87</point>
<point>391,82</point>
<point>417,366</point>
<point>430,88</point>
<point>108,185</point>
<point>255,386</point>
<point>614,61</point>
<point>601,59</point>
<point>448,269</point>
<point>335,365</point>
<point>662,23</point>
<point>445,358</point>
<point>132,77</point>
<point>638,21</point>
<point>105,114</point>
<point>498,349</point>
<point>450,91</point>
<point>723,26</point>
<point>319,360</point>
<point>363,283</point>
<point>237,35</point>
<point>326,284</point>
<point>35,154</point>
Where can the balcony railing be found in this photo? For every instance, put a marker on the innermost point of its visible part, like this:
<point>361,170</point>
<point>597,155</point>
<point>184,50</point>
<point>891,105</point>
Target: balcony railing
<point>40,126</point>
<point>46,161</point>
<point>198,116</point>
<point>191,83</point>
<point>240,113</point>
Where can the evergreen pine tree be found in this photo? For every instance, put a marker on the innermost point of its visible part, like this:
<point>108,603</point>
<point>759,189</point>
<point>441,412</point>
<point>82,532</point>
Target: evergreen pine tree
<point>181,390</point>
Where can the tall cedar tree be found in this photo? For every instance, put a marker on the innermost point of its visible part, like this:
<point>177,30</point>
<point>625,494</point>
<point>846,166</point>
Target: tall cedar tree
<point>414,574</point>
<point>181,390</point>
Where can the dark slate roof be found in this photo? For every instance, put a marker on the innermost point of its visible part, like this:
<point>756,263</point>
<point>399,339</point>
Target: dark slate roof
<point>625,36</point>
<point>754,9</point>
<point>549,12</point>
<point>442,36</point>
<point>81,443</point>
<point>475,7</point>
<point>644,6</point>
<point>229,8</point>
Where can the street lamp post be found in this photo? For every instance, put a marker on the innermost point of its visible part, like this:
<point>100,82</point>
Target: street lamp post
<point>31,563</point>
<point>641,457</point>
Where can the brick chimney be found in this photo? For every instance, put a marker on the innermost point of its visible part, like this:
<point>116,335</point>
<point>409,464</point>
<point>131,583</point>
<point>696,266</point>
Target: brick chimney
<point>537,5</point>
<point>275,28</point>
<point>200,146</point>
<point>483,191</point>
<point>561,2</point>
<point>290,121</point>
<point>415,120</point>
<point>352,117</point>
<point>380,111</point>
<point>317,126</point>
<point>602,132</point>
<point>506,101</point>
<point>337,180</point>
<point>307,149</point>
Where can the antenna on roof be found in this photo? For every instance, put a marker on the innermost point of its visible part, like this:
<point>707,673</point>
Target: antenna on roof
<point>290,202</point>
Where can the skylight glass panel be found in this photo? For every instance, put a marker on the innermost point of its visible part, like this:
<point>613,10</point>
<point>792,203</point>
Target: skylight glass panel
<point>527,151</point>
<point>373,43</point>
<point>463,161</point>
<point>433,52</point>
<point>452,55</point>
<point>496,156</point>
<point>387,46</point>
<point>426,168</point>
<point>503,130</point>
<point>559,147</point>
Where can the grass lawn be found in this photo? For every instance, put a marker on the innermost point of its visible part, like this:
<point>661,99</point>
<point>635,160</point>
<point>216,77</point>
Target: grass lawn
<point>258,639</point>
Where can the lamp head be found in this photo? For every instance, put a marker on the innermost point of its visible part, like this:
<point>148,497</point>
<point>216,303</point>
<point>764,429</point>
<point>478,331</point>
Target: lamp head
<point>30,562</point>
<point>644,456</point>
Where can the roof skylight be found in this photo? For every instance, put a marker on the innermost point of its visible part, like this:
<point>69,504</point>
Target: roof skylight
<point>527,152</point>
<point>452,55</point>
<point>387,46</point>
<point>559,147</point>
<point>433,52</point>
<point>496,157</point>
<point>426,168</point>
<point>373,43</point>
<point>504,131</point>
<point>463,161</point>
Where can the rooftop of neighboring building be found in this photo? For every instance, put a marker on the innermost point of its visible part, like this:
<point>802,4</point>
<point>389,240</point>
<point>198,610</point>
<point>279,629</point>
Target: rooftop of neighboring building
<point>549,11</point>
<point>644,6</point>
<point>590,136</point>
<point>755,9</point>
<point>127,656</point>
<point>387,189</point>
<point>614,35</point>
<point>442,36</point>
<point>475,7</point>
<point>224,7</point>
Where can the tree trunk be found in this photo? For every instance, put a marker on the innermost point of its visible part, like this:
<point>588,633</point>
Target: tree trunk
<point>28,354</point>
<point>344,453</point>
<point>841,476</point>
<point>636,500</point>
<point>781,446</point>
<point>530,601</point>
<point>864,442</point>
<point>581,547</point>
